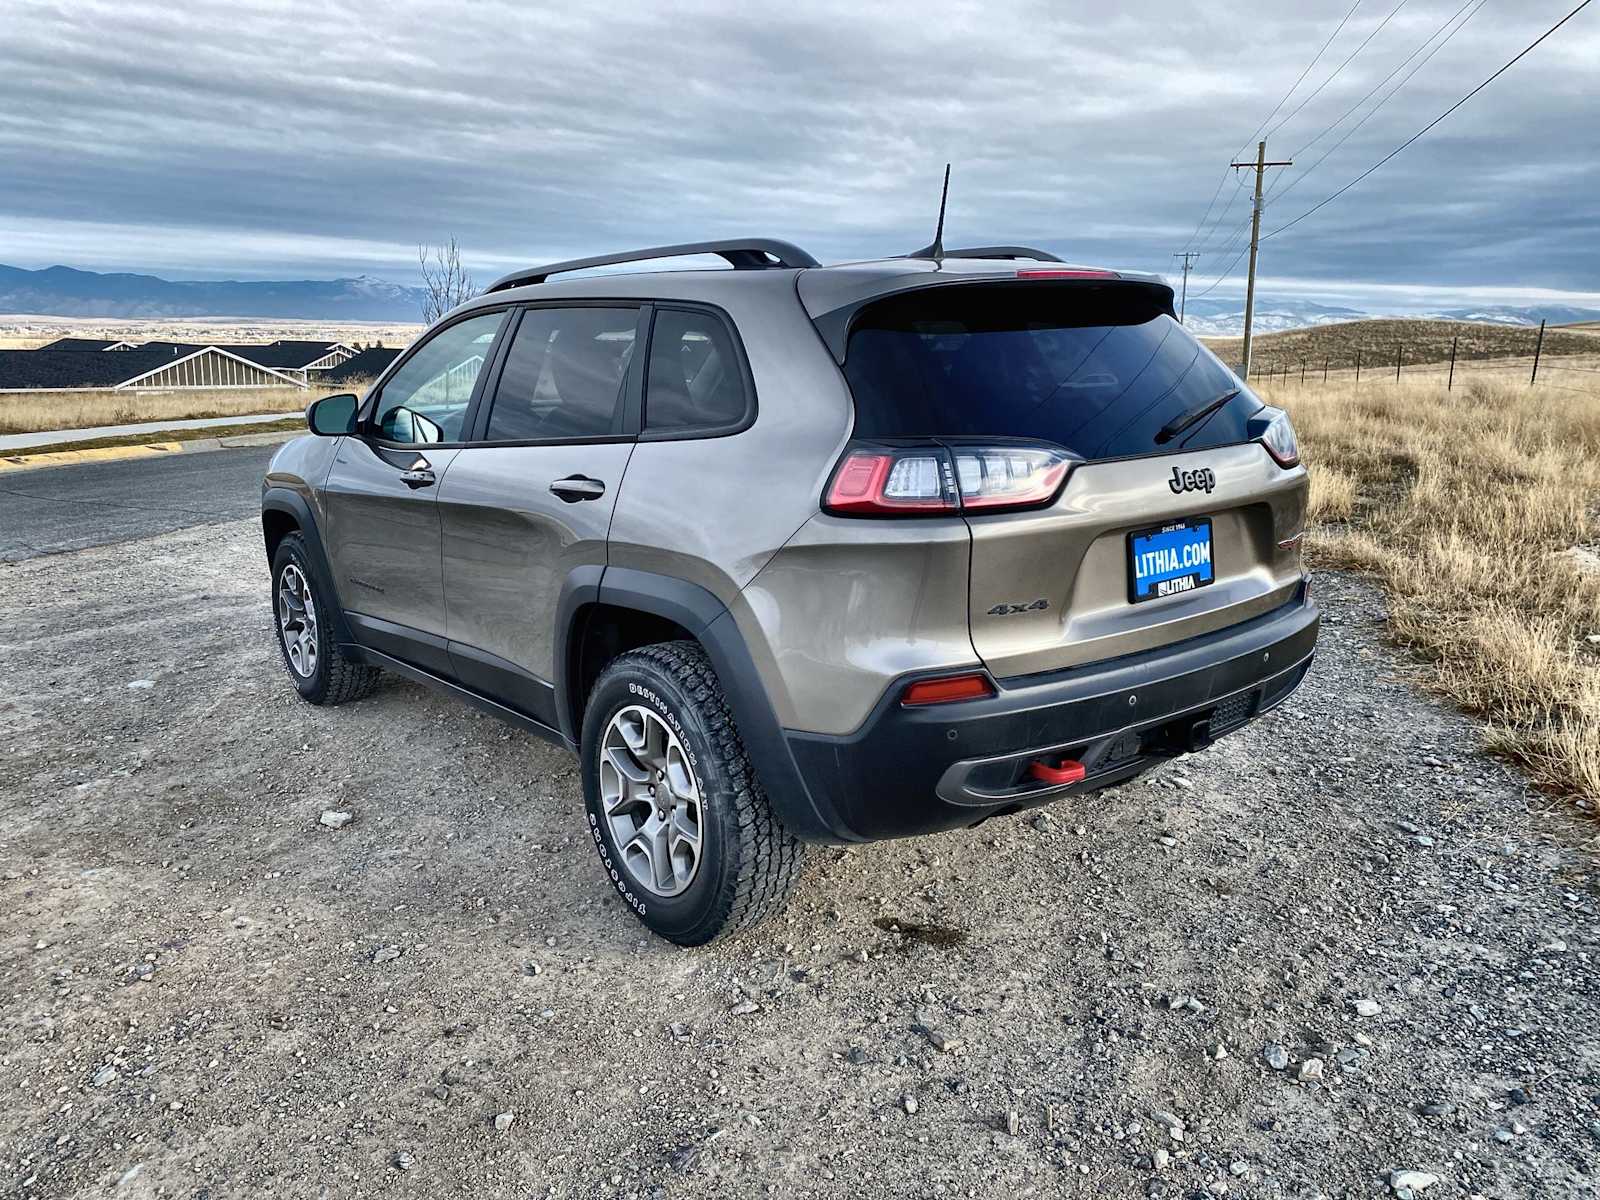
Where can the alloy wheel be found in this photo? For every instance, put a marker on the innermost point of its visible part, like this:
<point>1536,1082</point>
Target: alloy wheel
<point>651,800</point>
<point>297,621</point>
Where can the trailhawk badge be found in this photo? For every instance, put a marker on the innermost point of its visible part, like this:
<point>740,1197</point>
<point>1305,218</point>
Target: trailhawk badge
<point>1201,480</point>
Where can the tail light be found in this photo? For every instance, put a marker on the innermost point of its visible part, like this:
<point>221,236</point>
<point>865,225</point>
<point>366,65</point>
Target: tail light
<point>1278,437</point>
<point>888,480</point>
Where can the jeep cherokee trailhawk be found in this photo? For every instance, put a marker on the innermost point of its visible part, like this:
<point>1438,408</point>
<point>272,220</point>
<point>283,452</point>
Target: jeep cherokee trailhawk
<point>791,553</point>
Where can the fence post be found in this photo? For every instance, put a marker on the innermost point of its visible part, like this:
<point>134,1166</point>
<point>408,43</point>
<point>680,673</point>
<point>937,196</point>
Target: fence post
<point>1324,370</point>
<point>1538,346</point>
<point>1399,357</point>
<point>1302,372</point>
<point>1358,364</point>
<point>1454,342</point>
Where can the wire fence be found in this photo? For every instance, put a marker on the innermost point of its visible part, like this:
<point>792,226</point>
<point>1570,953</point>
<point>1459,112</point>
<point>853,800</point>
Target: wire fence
<point>1387,363</point>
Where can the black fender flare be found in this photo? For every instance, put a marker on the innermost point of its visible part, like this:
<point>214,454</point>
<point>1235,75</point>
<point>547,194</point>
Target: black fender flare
<point>288,501</point>
<point>708,620</point>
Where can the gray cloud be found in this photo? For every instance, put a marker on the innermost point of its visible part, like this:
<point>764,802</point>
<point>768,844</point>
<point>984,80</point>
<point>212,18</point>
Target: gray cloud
<point>256,139</point>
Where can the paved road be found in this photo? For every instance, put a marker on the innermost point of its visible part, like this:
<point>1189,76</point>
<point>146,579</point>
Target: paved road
<point>52,437</point>
<point>53,509</point>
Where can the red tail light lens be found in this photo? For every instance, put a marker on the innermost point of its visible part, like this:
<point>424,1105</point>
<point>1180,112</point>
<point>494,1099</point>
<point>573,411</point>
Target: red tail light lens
<point>971,686</point>
<point>891,481</point>
<point>921,480</point>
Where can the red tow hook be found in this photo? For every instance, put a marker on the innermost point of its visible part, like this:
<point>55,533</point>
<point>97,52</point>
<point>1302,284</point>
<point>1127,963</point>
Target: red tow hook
<point>1067,771</point>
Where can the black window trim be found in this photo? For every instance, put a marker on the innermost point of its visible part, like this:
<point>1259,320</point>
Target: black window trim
<point>633,385</point>
<point>746,380</point>
<point>369,406</point>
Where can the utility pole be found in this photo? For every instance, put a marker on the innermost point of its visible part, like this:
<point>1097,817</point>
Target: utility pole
<point>1188,256</point>
<point>1261,164</point>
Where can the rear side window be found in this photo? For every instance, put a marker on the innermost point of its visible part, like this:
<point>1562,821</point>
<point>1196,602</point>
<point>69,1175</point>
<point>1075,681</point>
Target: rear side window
<point>1096,369</point>
<point>695,381</point>
<point>564,375</point>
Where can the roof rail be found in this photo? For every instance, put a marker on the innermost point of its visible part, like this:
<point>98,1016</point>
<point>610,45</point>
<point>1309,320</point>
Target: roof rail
<point>1003,252</point>
<point>743,254</point>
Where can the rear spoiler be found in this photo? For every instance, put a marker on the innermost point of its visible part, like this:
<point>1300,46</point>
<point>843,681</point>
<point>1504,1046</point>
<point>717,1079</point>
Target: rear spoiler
<point>834,325</point>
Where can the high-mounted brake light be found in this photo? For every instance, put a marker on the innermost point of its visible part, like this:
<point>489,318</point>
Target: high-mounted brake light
<point>972,686</point>
<point>921,480</point>
<point>1064,273</point>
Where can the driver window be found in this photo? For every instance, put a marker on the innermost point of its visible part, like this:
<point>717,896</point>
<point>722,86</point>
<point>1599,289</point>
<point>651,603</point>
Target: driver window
<point>564,375</point>
<point>425,400</point>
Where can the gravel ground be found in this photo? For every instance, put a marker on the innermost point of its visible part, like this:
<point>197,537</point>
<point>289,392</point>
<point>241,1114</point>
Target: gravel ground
<point>1338,945</point>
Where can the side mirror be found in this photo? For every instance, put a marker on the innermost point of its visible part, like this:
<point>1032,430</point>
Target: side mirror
<point>333,416</point>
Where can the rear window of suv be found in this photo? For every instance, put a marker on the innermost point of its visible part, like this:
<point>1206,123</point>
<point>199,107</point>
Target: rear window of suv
<point>1098,369</point>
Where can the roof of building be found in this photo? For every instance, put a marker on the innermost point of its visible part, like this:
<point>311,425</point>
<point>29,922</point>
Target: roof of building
<point>367,364</point>
<point>76,343</point>
<point>77,368</point>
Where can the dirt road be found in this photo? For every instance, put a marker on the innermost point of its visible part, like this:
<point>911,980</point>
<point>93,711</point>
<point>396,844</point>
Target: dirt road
<point>1334,947</point>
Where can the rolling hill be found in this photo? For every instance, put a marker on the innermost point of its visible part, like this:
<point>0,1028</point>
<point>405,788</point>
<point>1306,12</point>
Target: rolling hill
<point>1379,340</point>
<point>65,292</point>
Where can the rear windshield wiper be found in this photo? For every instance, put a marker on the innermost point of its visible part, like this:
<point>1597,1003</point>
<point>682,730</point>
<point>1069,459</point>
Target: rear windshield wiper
<point>1182,421</point>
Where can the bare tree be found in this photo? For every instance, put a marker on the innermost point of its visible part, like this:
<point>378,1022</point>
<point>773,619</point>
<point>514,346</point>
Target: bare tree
<point>444,280</point>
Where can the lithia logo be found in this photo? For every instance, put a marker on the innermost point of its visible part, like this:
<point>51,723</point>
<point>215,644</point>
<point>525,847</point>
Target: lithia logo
<point>1202,480</point>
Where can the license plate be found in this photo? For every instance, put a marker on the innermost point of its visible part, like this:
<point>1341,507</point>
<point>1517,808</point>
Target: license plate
<point>1174,558</point>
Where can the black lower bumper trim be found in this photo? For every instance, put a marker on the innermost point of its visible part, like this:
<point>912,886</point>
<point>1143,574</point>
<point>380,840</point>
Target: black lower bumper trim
<point>918,770</point>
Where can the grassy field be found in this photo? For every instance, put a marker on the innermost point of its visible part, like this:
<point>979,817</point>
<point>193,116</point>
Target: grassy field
<point>1467,506</point>
<point>1423,342</point>
<point>83,410</point>
<point>20,331</point>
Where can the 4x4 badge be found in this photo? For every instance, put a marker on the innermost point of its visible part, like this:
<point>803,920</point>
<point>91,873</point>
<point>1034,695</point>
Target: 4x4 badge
<point>1006,610</point>
<point>1202,480</point>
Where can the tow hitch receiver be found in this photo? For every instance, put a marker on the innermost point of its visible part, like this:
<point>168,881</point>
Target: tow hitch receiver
<point>1184,736</point>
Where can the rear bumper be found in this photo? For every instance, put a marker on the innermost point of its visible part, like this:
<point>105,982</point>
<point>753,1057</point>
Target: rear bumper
<point>919,770</point>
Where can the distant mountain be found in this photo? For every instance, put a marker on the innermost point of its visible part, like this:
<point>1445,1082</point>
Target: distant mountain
<point>65,292</point>
<point>1225,318</point>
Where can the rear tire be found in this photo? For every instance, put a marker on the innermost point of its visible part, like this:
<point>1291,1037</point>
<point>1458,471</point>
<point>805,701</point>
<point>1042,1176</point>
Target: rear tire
<point>302,619</point>
<point>662,760</point>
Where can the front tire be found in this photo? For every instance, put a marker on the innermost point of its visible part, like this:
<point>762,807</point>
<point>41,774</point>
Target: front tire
<point>302,618</point>
<point>683,829</point>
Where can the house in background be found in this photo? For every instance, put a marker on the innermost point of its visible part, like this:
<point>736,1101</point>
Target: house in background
<point>91,364</point>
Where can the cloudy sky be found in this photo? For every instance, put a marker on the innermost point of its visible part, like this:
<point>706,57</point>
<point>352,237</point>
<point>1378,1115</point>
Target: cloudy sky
<point>253,139</point>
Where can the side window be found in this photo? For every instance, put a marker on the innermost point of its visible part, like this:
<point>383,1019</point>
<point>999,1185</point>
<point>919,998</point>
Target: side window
<point>425,400</point>
<point>694,380</point>
<point>564,375</point>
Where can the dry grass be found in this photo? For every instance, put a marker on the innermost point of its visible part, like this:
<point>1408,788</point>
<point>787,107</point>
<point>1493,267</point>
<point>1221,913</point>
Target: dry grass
<point>1462,504</point>
<point>37,411</point>
<point>1380,341</point>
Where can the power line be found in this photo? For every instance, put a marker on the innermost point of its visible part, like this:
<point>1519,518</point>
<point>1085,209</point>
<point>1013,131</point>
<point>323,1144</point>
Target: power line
<point>1313,95</point>
<point>1246,144</point>
<point>1314,60</point>
<point>1213,284</point>
<point>1526,50</point>
<point>1474,5</point>
<point>1217,226</point>
<point>1398,67</point>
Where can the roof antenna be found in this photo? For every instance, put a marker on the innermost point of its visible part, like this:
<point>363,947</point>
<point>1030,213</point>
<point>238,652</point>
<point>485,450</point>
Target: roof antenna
<point>935,249</point>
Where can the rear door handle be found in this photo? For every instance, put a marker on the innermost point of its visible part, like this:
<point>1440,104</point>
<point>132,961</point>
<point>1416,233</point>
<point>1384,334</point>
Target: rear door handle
<point>417,479</point>
<point>578,487</point>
